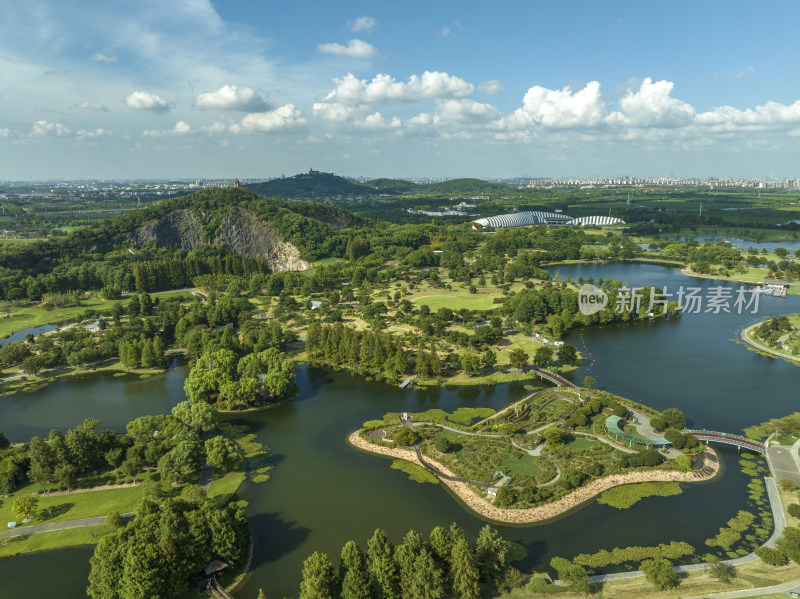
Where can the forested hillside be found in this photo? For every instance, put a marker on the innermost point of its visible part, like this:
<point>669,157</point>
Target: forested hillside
<point>214,226</point>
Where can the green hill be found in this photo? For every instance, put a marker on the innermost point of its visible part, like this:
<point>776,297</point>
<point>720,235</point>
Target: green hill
<point>318,186</point>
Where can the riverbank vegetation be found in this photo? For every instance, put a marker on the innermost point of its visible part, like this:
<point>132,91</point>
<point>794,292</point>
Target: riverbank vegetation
<point>444,565</point>
<point>89,472</point>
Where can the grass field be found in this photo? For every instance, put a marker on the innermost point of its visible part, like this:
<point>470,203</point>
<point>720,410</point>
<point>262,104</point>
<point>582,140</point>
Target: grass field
<point>13,319</point>
<point>525,465</point>
<point>75,505</point>
<point>581,444</point>
<point>53,540</point>
<point>456,300</point>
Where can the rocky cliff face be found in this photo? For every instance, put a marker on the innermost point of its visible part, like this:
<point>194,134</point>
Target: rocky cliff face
<point>240,231</point>
<point>179,229</point>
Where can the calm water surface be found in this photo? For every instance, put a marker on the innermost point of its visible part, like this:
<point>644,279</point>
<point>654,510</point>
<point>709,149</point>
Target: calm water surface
<point>323,493</point>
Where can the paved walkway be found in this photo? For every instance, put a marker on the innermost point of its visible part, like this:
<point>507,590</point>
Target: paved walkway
<point>783,461</point>
<point>773,352</point>
<point>66,525</point>
<point>206,476</point>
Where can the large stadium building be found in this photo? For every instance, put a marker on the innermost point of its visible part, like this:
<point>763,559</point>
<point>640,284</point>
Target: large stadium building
<point>522,219</point>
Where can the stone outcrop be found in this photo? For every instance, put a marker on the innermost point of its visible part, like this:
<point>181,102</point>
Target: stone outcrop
<point>179,229</point>
<point>239,230</point>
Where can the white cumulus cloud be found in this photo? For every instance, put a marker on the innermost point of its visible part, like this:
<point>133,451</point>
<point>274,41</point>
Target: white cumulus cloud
<point>284,118</point>
<point>47,129</point>
<point>351,90</point>
<point>355,48</point>
<point>146,101</point>
<point>231,97</point>
<point>332,112</point>
<point>653,106</point>
<point>491,87</point>
<point>563,108</point>
<point>365,23</point>
<point>4,132</point>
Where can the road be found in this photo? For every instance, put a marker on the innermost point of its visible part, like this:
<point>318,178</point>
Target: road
<point>782,462</point>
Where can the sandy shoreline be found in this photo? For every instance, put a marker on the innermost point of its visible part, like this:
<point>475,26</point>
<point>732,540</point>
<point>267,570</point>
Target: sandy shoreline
<point>482,507</point>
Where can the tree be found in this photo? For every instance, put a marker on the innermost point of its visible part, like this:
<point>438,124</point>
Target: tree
<point>196,415</point>
<point>489,358</point>
<point>222,453</point>
<point>443,444</point>
<point>543,356</point>
<point>568,355</point>
<point>659,573</point>
<point>65,475</point>
<point>574,575</point>
<point>318,578</point>
<point>179,461</point>
<point>470,362</point>
<point>490,553</point>
<point>115,520</point>
<point>518,358</point>
<point>381,567</point>
<point>131,467</point>
<point>4,442</point>
<point>789,543</point>
<point>427,580</point>
<point>554,435</point>
<point>406,437</point>
<point>25,507</point>
<point>32,365</point>
<point>352,573</point>
<point>674,418</point>
<point>589,382</point>
<point>719,570</point>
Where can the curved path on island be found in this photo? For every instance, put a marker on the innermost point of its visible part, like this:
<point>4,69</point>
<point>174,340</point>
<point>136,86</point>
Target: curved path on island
<point>477,504</point>
<point>766,349</point>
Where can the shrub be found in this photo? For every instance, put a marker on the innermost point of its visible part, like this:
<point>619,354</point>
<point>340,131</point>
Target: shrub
<point>658,423</point>
<point>406,437</point>
<point>771,556</point>
<point>788,485</point>
<point>115,520</point>
<point>443,444</point>
<point>794,510</point>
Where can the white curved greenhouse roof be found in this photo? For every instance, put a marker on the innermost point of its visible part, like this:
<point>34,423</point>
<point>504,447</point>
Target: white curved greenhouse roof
<point>596,220</point>
<point>520,219</point>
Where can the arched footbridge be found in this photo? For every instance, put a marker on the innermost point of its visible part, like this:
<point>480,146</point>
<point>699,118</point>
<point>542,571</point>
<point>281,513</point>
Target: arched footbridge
<point>554,378</point>
<point>729,439</point>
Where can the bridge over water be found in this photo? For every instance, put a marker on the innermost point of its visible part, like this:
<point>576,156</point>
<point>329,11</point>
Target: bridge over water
<point>554,378</point>
<point>729,439</point>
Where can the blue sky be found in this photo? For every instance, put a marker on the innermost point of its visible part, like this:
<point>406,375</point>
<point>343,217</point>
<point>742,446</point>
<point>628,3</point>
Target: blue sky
<point>191,88</point>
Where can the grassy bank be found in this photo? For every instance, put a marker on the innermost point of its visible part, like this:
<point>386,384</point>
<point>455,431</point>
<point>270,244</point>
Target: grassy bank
<point>749,576</point>
<point>13,319</point>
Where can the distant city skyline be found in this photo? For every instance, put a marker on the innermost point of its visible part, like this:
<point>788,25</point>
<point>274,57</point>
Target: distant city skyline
<point>581,90</point>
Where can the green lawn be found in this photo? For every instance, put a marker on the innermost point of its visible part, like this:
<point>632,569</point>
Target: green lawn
<point>13,319</point>
<point>456,300</point>
<point>525,465</point>
<point>580,443</point>
<point>53,540</point>
<point>74,506</point>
